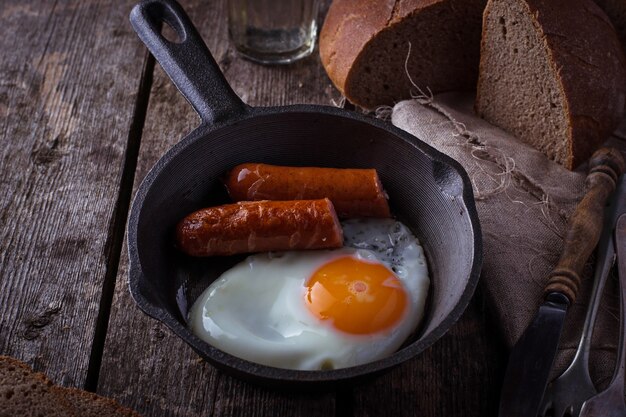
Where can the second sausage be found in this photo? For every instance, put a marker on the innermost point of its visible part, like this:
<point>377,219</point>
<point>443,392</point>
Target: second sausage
<point>354,192</point>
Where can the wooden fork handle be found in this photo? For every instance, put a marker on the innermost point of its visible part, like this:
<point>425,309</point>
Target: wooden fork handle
<point>585,225</point>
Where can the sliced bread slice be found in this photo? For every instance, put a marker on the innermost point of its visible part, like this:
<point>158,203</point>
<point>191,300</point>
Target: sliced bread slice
<point>364,45</point>
<point>552,72</point>
<point>26,393</point>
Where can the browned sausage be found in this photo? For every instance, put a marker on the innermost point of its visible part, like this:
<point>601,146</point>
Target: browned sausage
<point>260,226</point>
<point>354,192</point>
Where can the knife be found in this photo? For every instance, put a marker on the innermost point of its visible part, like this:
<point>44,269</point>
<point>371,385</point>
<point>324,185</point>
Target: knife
<point>532,356</point>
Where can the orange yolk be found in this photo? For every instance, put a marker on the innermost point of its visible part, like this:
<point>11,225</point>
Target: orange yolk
<point>357,296</point>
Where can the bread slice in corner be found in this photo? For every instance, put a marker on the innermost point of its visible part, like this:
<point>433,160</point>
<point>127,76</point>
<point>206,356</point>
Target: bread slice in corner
<point>89,404</point>
<point>552,72</point>
<point>26,393</point>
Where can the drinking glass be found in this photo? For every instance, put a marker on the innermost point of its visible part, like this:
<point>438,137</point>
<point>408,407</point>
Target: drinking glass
<point>273,31</point>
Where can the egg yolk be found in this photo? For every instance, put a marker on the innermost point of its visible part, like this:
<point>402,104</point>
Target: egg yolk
<point>357,296</point>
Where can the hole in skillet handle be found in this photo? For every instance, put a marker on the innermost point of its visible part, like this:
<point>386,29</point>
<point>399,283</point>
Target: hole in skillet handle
<point>169,33</point>
<point>173,30</point>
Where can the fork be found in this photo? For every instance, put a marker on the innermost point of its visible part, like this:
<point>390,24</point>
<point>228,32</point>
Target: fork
<point>610,402</point>
<point>566,394</point>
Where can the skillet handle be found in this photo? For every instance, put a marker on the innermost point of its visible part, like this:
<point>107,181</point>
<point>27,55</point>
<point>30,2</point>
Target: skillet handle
<point>189,63</point>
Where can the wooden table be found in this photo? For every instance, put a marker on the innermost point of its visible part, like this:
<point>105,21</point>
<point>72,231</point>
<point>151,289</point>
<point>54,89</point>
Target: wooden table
<point>85,112</point>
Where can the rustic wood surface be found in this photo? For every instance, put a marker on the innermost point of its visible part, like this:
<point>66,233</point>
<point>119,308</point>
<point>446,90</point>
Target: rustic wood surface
<point>68,83</point>
<point>64,270</point>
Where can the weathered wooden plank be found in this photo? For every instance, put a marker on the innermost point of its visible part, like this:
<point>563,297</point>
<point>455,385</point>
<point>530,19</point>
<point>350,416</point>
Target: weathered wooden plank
<point>460,375</point>
<point>68,80</point>
<point>162,376</point>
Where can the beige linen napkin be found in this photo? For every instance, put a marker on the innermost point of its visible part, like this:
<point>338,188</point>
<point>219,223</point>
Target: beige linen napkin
<point>524,201</point>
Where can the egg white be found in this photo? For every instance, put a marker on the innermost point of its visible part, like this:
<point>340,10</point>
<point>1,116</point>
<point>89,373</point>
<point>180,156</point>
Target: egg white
<point>256,310</point>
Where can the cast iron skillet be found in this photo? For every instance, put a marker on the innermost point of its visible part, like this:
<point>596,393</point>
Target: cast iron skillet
<point>428,191</point>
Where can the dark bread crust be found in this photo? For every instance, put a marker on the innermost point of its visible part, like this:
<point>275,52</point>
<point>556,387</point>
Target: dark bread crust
<point>25,393</point>
<point>588,63</point>
<point>358,37</point>
<point>357,21</point>
<point>89,404</point>
<point>616,11</point>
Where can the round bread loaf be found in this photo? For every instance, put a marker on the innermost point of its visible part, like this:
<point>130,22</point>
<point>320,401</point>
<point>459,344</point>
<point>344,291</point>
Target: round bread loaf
<point>553,74</point>
<point>364,45</point>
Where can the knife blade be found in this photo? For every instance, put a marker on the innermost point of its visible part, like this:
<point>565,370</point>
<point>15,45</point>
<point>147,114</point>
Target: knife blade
<point>532,357</point>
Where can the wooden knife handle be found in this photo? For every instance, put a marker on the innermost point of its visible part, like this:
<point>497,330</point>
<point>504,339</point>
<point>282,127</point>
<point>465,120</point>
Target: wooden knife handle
<point>585,225</point>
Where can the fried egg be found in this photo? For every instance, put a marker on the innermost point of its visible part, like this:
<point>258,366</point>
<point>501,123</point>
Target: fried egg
<point>323,309</point>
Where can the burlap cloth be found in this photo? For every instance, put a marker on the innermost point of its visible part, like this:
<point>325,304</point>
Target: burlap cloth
<point>524,201</point>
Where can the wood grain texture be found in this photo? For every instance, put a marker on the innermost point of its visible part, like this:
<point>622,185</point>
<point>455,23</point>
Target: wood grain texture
<point>68,79</point>
<point>144,365</point>
<point>460,375</point>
